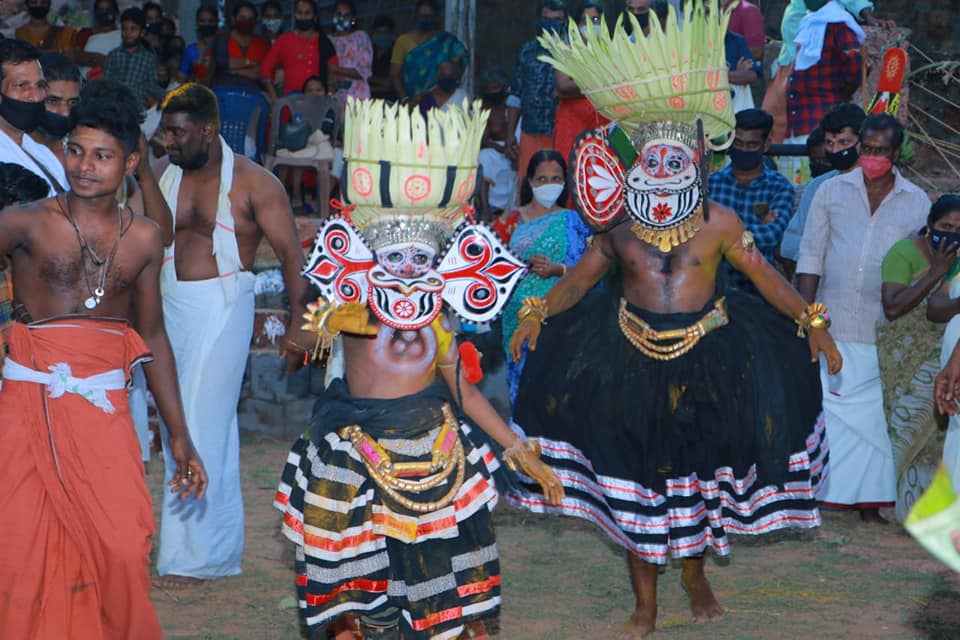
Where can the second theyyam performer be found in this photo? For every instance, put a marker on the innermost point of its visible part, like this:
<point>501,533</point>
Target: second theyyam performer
<point>672,411</point>
<point>388,493</point>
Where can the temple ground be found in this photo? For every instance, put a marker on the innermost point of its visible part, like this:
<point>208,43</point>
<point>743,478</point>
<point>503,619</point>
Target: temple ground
<point>563,580</point>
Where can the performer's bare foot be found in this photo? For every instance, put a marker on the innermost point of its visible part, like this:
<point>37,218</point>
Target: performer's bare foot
<point>703,603</point>
<point>173,582</point>
<point>641,623</point>
<point>345,627</point>
<point>475,631</point>
<point>643,579</point>
<point>871,515</point>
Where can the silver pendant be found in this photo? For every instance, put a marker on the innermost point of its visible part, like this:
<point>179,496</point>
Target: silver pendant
<point>98,292</point>
<point>90,303</point>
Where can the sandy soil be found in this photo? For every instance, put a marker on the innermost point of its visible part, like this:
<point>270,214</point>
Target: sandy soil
<point>563,580</point>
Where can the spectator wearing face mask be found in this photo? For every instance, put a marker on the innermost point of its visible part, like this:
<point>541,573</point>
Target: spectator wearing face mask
<point>354,54</point>
<point>855,218</point>
<point>445,92</point>
<point>132,63</point>
<point>238,54</point>
<point>418,54</point>
<point>840,128</point>
<point>640,9</point>
<point>43,34</point>
<point>94,43</point>
<point>63,93</point>
<point>498,192</point>
<point>271,21</point>
<point>533,102</point>
<point>304,52</point>
<point>382,34</point>
<point>197,59</point>
<point>761,197</point>
<point>908,344</point>
<point>575,113</point>
<point>154,27</point>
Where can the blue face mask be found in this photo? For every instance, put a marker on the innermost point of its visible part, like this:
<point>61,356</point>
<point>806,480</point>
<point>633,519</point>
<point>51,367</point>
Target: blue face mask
<point>944,239</point>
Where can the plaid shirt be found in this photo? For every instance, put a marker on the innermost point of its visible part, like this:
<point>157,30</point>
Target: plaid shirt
<point>137,70</point>
<point>812,92</point>
<point>771,191</point>
<point>532,91</point>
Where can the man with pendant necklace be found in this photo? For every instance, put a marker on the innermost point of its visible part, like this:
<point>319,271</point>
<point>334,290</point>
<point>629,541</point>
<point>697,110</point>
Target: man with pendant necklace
<point>222,205</point>
<point>75,545</point>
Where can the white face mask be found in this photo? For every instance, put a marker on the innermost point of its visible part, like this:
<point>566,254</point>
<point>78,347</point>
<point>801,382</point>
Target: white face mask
<point>547,194</point>
<point>589,29</point>
<point>272,24</point>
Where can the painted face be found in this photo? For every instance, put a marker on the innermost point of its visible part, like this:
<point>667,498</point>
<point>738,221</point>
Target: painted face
<point>663,187</point>
<point>409,261</point>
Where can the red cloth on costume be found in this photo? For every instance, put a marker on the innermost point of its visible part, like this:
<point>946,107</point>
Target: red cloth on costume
<point>77,518</point>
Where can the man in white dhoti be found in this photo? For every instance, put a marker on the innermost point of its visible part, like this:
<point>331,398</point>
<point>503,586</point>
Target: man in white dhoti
<point>854,219</point>
<point>221,205</point>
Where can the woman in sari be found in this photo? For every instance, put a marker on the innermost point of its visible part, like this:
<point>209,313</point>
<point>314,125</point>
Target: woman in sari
<point>418,54</point>
<point>909,345</point>
<point>354,54</point>
<point>549,237</point>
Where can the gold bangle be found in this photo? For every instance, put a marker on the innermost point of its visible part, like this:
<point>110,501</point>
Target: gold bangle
<point>563,270</point>
<point>814,317</point>
<point>535,308</point>
<point>520,450</point>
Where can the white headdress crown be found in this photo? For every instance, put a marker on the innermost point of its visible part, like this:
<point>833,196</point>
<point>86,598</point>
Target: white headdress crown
<point>410,178</point>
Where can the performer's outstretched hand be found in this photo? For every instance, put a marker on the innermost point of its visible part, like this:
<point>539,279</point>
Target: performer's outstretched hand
<point>526,455</point>
<point>528,331</point>
<point>946,387</point>
<point>190,477</point>
<point>822,342</point>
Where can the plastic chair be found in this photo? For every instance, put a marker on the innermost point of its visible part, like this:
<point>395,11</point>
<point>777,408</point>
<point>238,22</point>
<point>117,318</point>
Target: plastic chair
<point>313,109</point>
<point>242,112</point>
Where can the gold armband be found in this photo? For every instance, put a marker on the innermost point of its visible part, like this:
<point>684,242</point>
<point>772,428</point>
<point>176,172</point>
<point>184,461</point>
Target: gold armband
<point>521,453</point>
<point>535,308</point>
<point>814,317</point>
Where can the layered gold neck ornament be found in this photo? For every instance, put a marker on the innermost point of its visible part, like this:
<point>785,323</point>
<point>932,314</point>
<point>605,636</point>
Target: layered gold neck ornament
<point>667,239</point>
<point>409,178</point>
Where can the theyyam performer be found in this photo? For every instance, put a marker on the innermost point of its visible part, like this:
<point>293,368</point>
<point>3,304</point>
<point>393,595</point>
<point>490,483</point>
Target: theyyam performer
<point>387,495</point>
<point>672,411</point>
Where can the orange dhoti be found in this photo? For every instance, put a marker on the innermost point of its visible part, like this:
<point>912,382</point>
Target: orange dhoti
<point>77,516</point>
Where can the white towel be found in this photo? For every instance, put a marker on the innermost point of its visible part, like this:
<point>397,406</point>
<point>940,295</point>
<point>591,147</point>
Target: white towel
<point>812,29</point>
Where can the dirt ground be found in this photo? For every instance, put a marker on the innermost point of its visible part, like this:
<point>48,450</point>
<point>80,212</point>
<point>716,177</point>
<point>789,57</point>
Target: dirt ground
<point>563,580</point>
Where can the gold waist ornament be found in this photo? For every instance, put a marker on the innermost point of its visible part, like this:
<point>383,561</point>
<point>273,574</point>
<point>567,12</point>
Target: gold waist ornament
<point>446,456</point>
<point>672,343</point>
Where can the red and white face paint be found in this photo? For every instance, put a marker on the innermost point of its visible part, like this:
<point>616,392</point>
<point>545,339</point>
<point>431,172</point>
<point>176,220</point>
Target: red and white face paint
<point>663,187</point>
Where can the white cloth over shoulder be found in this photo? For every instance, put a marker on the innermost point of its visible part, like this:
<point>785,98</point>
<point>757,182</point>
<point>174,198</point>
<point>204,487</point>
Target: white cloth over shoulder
<point>951,446</point>
<point>210,324</point>
<point>813,28</point>
<point>862,468</point>
<point>24,156</point>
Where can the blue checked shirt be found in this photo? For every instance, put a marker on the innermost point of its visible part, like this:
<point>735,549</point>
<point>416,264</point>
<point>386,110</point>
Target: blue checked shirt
<point>771,191</point>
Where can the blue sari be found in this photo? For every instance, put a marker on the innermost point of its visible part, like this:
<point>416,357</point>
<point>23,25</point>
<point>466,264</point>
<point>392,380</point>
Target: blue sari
<point>561,236</point>
<point>421,63</point>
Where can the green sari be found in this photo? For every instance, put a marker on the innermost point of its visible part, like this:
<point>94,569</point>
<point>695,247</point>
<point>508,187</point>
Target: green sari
<point>421,63</point>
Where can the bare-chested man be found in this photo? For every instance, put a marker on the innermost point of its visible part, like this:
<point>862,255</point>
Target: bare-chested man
<point>222,205</point>
<point>672,413</point>
<point>78,521</point>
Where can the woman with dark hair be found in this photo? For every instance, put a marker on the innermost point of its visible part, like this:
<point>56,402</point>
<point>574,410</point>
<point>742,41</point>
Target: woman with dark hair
<point>418,54</point>
<point>549,236</point>
<point>908,344</point>
<point>306,51</point>
<point>354,54</point>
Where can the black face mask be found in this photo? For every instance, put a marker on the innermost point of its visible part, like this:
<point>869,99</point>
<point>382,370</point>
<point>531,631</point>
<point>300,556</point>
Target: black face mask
<point>642,18</point>
<point>104,19</point>
<point>495,98</point>
<point>38,12</point>
<point>843,160</point>
<point>24,116</point>
<point>943,238</point>
<point>55,125</point>
<point>448,83</point>
<point>304,25</point>
<point>819,168</point>
<point>206,30</point>
<point>426,24</point>
<point>156,28</point>
<point>745,160</point>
